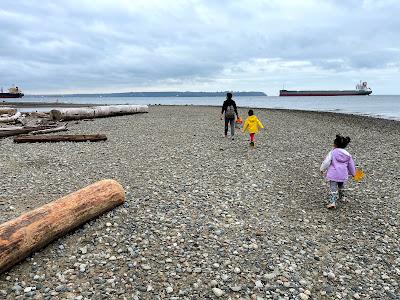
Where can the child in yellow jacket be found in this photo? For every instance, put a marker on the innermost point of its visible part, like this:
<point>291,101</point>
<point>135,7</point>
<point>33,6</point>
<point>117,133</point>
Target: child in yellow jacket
<point>252,124</point>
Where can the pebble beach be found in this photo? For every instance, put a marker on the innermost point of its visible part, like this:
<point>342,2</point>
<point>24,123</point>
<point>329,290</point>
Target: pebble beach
<point>207,217</point>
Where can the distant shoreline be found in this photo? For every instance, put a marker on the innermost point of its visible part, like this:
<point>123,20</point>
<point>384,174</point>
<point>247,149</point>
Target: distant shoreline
<point>47,104</point>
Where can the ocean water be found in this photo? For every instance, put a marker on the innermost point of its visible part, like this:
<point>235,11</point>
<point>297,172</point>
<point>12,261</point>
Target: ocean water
<point>387,107</point>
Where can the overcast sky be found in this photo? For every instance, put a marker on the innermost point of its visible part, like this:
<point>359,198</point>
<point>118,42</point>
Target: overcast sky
<point>118,46</point>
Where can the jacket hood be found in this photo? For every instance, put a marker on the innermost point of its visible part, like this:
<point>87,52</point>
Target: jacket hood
<point>341,155</point>
<point>252,118</point>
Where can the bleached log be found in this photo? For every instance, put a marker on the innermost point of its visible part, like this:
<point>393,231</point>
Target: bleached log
<point>7,111</point>
<point>37,228</point>
<point>51,130</point>
<point>60,138</point>
<point>14,117</point>
<point>39,114</point>
<point>11,128</point>
<point>77,113</point>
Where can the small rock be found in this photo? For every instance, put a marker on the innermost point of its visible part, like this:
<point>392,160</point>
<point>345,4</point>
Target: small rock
<point>217,292</point>
<point>269,276</point>
<point>236,288</point>
<point>303,296</point>
<point>213,283</point>
<point>146,267</point>
<point>169,289</point>
<point>331,275</point>
<point>82,268</point>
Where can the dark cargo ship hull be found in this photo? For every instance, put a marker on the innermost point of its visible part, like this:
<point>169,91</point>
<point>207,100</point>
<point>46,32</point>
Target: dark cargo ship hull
<point>324,93</point>
<point>11,95</point>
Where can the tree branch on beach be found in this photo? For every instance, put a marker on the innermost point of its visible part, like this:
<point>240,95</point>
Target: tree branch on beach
<point>51,130</point>
<point>60,138</point>
<point>11,131</point>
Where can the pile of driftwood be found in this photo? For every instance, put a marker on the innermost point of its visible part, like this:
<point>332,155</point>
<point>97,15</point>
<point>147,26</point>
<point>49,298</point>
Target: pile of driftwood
<point>10,114</point>
<point>36,132</point>
<point>40,129</point>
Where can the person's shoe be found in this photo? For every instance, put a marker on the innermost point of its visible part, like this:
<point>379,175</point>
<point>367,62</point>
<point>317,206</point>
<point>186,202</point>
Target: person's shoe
<point>252,144</point>
<point>342,196</point>
<point>331,206</point>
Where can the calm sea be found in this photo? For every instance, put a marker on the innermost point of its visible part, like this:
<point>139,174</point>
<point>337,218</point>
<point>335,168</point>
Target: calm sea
<point>387,107</point>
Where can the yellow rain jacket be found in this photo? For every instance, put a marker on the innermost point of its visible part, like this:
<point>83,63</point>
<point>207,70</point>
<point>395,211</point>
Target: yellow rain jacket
<point>251,124</point>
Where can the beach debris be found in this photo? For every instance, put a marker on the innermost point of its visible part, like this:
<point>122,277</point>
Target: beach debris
<point>15,117</point>
<point>7,111</point>
<point>60,138</point>
<point>51,130</point>
<point>35,229</point>
<point>77,113</point>
<point>16,130</point>
<point>39,114</point>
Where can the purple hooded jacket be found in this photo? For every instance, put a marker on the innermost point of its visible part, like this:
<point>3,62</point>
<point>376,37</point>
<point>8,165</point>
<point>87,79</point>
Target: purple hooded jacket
<point>339,164</point>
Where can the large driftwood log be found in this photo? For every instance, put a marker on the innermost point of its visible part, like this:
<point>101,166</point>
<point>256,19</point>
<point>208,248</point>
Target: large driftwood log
<point>60,138</point>
<point>10,118</point>
<point>35,229</point>
<point>11,131</point>
<point>77,113</point>
<point>7,110</point>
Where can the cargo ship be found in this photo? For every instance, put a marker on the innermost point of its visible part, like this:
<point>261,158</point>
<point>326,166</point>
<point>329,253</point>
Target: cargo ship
<point>362,89</point>
<point>13,92</point>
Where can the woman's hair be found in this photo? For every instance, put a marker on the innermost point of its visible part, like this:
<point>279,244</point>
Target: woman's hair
<point>341,141</point>
<point>251,112</point>
<point>228,96</point>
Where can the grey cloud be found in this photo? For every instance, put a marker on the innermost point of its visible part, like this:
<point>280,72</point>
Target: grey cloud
<point>110,44</point>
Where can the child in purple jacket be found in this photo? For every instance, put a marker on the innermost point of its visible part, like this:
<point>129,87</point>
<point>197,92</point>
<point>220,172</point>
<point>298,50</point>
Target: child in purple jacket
<point>339,164</point>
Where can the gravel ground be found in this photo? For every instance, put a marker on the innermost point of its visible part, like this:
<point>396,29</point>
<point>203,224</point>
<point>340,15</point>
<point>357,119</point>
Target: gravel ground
<point>207,217</point>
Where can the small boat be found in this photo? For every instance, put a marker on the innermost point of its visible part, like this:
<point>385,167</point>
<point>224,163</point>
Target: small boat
<point>13,92</point>
<point>361,90</point>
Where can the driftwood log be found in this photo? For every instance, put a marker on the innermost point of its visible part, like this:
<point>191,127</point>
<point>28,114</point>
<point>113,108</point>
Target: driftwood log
<point>60,138</point>
<point>51,130</point>
<point>35,229</point>
<point>11,131</point>
<point>14,117</point>
<point>7,111</point>
<point>77,113</point>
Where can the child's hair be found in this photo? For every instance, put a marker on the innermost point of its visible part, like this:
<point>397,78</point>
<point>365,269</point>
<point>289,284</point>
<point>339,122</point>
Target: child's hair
<point>341,141</point>
<point>251,112</point>
<point>228,96</point>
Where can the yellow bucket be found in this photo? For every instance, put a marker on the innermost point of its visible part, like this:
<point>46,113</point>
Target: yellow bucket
<point>359,175</point>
